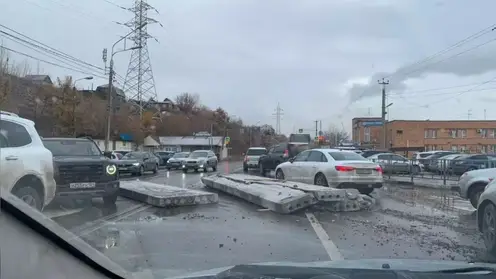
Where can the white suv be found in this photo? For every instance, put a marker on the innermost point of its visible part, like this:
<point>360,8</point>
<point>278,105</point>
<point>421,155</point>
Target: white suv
<point>26,166</point>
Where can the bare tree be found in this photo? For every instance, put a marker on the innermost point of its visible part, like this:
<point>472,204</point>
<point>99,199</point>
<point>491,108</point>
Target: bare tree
<point>337,135</point>
<point>187,102</point>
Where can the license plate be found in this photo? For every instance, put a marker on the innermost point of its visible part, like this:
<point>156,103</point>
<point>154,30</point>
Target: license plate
<point>359,171</point>
<point>82,185</point>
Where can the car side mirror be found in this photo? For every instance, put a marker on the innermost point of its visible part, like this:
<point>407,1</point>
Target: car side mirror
<point>291,160</point>
<point>107,154</point>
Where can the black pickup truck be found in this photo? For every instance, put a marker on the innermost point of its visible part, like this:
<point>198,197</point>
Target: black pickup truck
<point>282,152</point>
<point>82,171</point>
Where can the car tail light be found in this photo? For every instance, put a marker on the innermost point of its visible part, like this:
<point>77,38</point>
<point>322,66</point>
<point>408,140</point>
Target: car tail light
<point>378,169</point>
<point>344,168</point>
<point>286,153</point>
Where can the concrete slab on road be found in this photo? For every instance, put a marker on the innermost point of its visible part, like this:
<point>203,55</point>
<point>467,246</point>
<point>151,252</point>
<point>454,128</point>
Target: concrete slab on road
<point>164,195</point>
<point>276,198</point>
<point>287,196</point>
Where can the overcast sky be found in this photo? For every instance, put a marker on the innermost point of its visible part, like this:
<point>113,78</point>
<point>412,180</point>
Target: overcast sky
<point>320,59</point>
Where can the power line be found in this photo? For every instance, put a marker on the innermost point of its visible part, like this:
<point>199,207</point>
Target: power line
<point>451,57</point>
<point>47,52</point>
<point>53,49</point>
<point>44,61</point>
<point>456,45</point>
<point>433,89</point>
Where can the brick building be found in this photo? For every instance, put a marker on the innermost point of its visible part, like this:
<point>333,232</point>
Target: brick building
<point>367,132</point>
<point>471,136</point>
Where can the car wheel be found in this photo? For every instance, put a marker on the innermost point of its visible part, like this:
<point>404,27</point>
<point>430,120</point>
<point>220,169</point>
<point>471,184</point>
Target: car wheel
<point>196,170</point>
<point>214,168</point>
<point>475,193</point>
<point>279,174</point>
<point>366,191</point>
<point>110,200</point>
<point>29,195</point>
<point>141,171</point>
<point>185,170</point>
<point>245,168</point>
<point>321,180</point>
<point>489,227</point>
<point>261,169</point>
<point>155,170</point>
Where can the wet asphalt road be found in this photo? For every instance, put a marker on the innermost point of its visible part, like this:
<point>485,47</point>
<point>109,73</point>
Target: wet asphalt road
<point>405,223</point>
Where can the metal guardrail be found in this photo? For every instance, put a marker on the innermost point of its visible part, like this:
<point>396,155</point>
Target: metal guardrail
<point>444,170</point>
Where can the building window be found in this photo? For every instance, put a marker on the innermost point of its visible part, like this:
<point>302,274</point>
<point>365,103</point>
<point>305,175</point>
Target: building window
<point>459,133</point>
<point>430,147</point>
<point>366,134</point>
<point>430,133</point>
<point>454,148</point>
<point>488,133</point>
<point>483,133</point>
<point>462,148</point>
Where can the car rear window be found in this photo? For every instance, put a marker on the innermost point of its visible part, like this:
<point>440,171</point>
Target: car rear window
<point>346,156</point>
<point>300,138</point>
<point>423,155</point>
<point>256,152</point>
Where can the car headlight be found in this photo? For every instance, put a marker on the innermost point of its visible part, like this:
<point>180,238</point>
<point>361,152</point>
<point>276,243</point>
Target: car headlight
<point>135,164</point>
<point>111,169</point>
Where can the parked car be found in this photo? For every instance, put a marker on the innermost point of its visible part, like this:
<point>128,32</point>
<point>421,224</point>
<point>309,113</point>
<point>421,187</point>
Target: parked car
<point>430,162</point>
<point>443,164</point>
<point>26,165</point>
<point>486,216</point>
<point>472,184</point>
<point>332,168</point>
<point>82,171</point>
<point>368,153</point>
<point>164,156</point>
<point>200,159</point>
<point>176,161</point>
<point>138,162</point>
<point>252,157</point>
<point>472,162</point>
<point>280,153</point>
<point>392,163</point>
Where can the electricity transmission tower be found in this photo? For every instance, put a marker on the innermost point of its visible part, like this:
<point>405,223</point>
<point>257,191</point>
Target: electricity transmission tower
<point>139,83</point>
<point>278,114</point>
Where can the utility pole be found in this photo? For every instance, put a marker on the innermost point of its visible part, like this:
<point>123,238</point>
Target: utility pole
<point>278,114</point>
<point>320,126</point>
<point>384,82</point>
<point>109,105</point>
<point>316,128</point>
<point>485,114</point>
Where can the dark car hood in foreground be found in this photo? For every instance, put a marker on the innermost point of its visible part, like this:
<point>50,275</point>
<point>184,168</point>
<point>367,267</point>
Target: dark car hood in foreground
<point>377,264</point>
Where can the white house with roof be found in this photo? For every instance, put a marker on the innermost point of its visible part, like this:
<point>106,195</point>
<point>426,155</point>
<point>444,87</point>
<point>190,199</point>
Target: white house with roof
<point>188,144</point>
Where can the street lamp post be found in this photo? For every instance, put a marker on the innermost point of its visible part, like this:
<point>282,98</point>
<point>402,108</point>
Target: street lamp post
<point>86,78</point>
<point>110,81</point>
